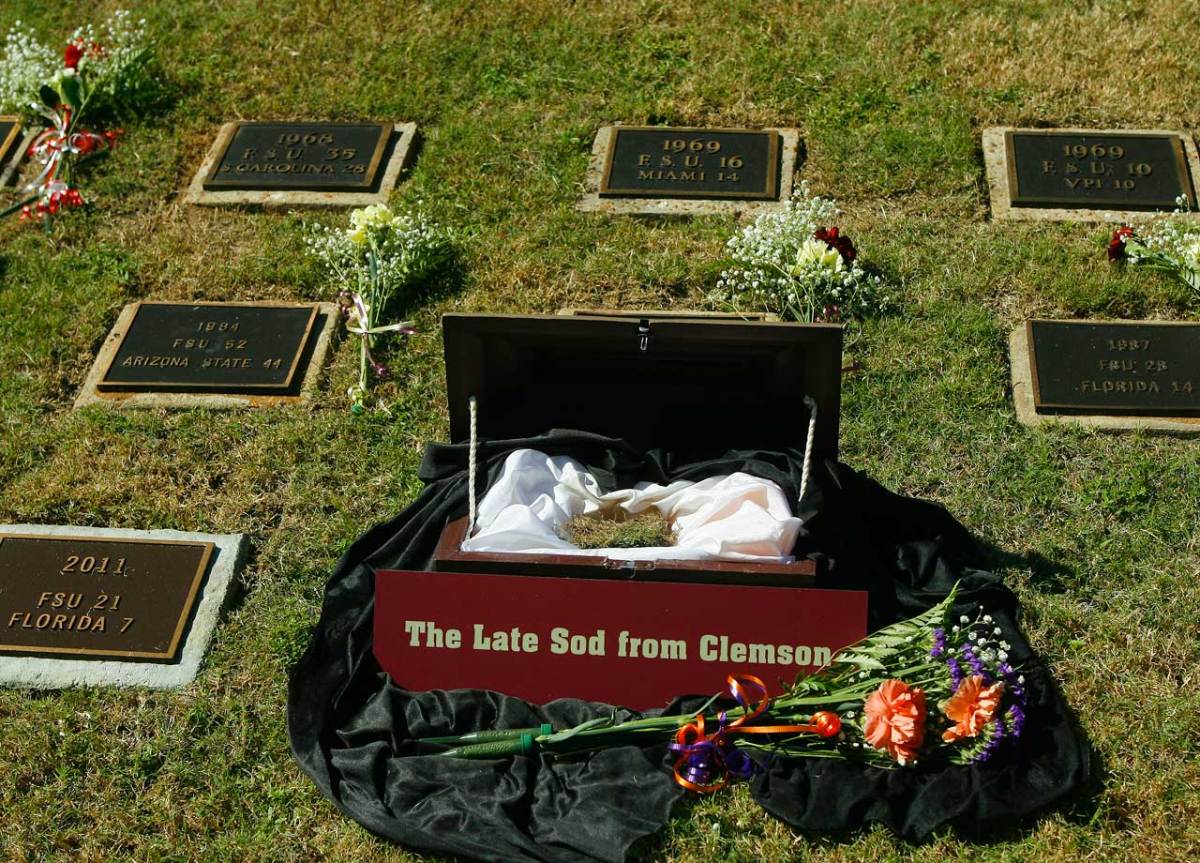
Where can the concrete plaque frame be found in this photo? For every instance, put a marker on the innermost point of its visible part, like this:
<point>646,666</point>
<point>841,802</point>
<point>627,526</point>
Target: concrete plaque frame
<point>1000,193</point>
<point>215,593</point>
<point>789,149</point>
<point>402,152</point>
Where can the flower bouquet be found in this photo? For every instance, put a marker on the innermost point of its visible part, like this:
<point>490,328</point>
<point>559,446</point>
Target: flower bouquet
<point>794,264</point>
<point>381,256</point>
<point>1170,245</point>
<point>926,689</point>
<point>101,73</point>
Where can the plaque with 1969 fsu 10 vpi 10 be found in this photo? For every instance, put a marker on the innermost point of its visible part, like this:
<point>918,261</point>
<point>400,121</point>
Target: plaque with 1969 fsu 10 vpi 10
<point>1088,174</point>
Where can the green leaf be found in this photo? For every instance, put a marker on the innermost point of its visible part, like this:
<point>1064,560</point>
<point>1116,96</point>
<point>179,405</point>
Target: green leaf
<point>567,734</point>
<point>861,660</point>
<point>72,90</point>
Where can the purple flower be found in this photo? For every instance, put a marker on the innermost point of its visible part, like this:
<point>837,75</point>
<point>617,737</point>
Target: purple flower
<point>381,371</point>
<point>939,643</point>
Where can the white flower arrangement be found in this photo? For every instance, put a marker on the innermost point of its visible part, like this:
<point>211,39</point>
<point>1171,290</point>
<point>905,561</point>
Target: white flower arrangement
<point>795,264</point>
<point>107,63</point>
<point>27,64</point>
<point>381,257</point>
<point>1170,245</point>
<point>101,72</point>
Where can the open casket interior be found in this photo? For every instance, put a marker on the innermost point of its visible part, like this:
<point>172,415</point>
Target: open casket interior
<point>698,387</point>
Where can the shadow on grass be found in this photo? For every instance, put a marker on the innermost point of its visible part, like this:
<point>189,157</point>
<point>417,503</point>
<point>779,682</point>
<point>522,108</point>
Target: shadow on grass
<point>1044,573</point>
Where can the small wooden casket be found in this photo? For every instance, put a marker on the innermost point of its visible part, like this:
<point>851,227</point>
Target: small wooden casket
<point>700,385</point>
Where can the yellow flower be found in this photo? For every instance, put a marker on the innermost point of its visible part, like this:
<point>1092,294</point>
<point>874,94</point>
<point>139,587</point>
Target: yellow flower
<point>364,219</point>
<point>819,252</point>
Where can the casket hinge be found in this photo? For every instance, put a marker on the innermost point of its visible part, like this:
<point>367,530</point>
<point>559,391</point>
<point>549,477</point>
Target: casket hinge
<point>630,567</point>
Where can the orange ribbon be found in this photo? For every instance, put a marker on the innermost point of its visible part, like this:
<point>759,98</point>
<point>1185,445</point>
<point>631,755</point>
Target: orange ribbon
<point>701,755</point>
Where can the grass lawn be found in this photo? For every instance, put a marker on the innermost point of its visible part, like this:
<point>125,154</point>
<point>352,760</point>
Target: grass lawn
<point>1096,533</point>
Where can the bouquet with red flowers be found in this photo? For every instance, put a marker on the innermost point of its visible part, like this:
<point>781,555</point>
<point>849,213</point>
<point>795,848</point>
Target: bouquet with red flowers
<point>795,264</point>
<point>100,73</point>
<point>1170,245</point>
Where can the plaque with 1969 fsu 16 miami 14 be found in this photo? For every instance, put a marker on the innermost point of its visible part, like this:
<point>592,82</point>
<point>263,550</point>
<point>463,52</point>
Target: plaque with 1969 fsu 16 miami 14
<point>686,162</point>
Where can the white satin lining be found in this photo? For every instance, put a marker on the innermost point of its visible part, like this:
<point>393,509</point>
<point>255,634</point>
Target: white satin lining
<point>734,517</point>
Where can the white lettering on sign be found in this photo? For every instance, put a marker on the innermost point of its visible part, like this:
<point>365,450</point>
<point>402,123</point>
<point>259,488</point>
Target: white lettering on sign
<point>563,642</point>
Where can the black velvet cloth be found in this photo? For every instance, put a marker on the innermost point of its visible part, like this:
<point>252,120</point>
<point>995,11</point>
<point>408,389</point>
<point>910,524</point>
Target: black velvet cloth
<point>352,728</point>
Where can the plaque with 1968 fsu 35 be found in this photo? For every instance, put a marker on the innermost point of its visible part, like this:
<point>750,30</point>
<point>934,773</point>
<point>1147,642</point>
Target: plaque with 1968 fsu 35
<point>686,162</point>
<point>1115,367</point>
<point>212,347</point>
<point>319,157</point>
<point>97,597</point>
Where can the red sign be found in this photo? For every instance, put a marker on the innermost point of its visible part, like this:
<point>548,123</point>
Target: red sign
<point>630,643</point>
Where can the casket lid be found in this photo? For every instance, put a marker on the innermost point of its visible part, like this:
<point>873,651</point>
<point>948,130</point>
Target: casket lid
<point>694,384</point>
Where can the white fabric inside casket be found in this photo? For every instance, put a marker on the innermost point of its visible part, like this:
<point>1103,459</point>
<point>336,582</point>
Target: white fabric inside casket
<point>734,517</point>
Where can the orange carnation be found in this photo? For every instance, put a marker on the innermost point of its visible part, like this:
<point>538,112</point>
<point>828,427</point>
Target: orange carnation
<point>971,707</point>
<point>895,714</point>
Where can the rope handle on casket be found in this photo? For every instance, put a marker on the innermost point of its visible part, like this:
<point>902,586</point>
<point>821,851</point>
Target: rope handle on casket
<point>472,464</point>
<point>811,404</point>
<point>471,467</point>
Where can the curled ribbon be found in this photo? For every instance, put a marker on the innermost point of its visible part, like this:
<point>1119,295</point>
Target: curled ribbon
<point>705,756</point>
<point>355,308</point>
<point>55,143</point>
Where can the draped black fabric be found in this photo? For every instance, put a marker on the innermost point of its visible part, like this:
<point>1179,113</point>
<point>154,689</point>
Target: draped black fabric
<point>352,728</point>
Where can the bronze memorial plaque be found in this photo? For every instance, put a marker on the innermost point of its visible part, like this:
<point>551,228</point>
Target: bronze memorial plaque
<point>1125,171</point>
<point>317,157</point>
<point>243,348</point>
<point>10,138</point>
<point>685,162</point>
<point>1115,367</point>
<point>96,597</point>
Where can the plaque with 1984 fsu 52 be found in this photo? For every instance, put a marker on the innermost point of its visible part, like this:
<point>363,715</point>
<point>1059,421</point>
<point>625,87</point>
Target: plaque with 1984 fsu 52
<point>687,162</point>
<point>212,347</point>
<point>1102,367</point>
<point>97,597</point>
<point>1096,170</point>
<point>318,157</point>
